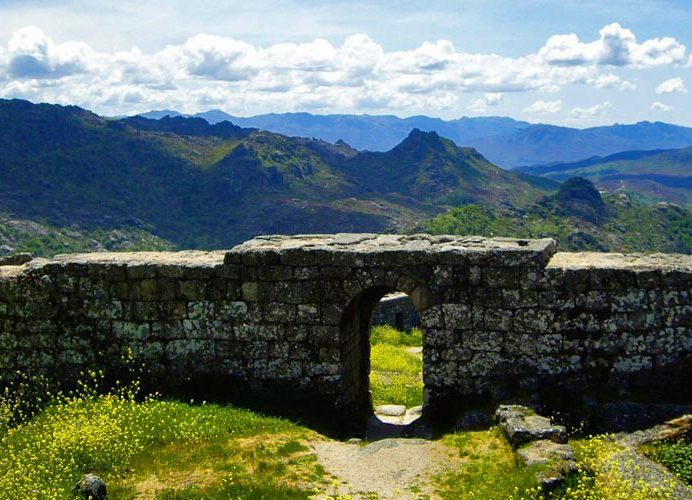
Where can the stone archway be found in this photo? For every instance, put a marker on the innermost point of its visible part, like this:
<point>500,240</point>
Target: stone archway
<point>355,346</point>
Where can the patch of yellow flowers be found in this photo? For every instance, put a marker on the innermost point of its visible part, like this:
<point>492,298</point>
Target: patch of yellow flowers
<point>600,479</point>
<point>44,457</point>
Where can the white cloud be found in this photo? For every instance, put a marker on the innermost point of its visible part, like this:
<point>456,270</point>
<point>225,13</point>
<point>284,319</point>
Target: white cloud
<point>544,107</point>
<point>659,106</point>
<point>31,54</point>
<point>481,105</point>
<point>597,110</point>
<point>671,86</point>
<point>617,46</point>
<point>609,80</point>
<point>358,74</point>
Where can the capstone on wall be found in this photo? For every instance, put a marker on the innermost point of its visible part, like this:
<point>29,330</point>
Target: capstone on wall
<point>278,315</point>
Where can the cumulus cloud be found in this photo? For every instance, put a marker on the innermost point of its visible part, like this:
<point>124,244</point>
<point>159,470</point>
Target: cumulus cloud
<point>358,73</point>
<point>31,54</point>
<point>488,99</point>
<point>596,110</point>
<point>544,107</point>
<point>671,86</point>
<point>617,46</point>
<point>659,106</point>
<point>609,80</point>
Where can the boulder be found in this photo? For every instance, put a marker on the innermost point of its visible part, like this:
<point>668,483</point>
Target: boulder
<point>17,259</point>
<point>521,425</point>
<point>91,486</point>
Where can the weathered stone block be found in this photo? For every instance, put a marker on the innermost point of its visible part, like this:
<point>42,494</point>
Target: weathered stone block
<point>533,320</point>
<point>483,340</point>
<point>308,314</point>
<point>457,316</point>
<point>201,309</point>
<point>498,319</point>
<point>167,330</point>
<point>226,311</point>
<point>130,330</point>
<point>192,289</point>
<point>633,364</point>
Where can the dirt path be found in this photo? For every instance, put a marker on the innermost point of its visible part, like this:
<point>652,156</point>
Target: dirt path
<point>399,468</point>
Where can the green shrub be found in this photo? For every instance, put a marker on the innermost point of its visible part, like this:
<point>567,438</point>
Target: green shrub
<point>676,456</point>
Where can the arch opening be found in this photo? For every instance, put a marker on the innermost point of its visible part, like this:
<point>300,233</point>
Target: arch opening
<point>382,346</point>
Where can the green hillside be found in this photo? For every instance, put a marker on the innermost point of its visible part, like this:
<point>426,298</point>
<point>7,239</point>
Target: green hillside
<point>43,240</point>
<point>210,186</point>
<point>578,218</point>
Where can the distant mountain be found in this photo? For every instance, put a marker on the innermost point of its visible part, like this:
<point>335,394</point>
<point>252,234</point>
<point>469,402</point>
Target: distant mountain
<point>364,132</point>
<point>207,186</point>
<point>658,175</point>
<point>503,141</point>
<point>579,218</point>
<point>547,143</point>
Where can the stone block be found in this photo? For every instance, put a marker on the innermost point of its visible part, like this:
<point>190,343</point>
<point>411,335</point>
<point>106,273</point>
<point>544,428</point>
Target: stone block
<point>279,312</point>
<point>498,319</point>
<point>192,290</point>
<point>130,330</point>
<point>226,311</point>
<point>167,330</point>
<point>483,340</point>
<point>534,320</point>
<point>308,314</point>
<point>457,316</point>
<point>522,425</point>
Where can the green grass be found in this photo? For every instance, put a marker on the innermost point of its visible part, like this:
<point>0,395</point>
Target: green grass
<point>225,452</point>
<point>396,375</point>
<point>386,334</point>
<point>676,456</point>
<point>490,470</point>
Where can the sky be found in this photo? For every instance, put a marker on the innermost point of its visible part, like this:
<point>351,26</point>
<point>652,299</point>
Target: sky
<point>573,63</point>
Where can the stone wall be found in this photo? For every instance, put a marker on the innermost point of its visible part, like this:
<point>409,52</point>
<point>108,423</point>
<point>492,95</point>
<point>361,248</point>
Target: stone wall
<point>397,310</point>
<point>503,319</point>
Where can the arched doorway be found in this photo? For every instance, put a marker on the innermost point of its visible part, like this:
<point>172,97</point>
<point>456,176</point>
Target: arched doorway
<point>359,346</point>
<point>396,360</point>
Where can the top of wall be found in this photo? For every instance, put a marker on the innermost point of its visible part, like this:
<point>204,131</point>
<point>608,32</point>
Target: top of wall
<point>351,250</point>
<point>633,261</point>
<point>137,264</point>
<point>358,249</point>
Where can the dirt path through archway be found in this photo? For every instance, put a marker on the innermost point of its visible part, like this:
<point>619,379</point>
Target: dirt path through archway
<point>392,468</point>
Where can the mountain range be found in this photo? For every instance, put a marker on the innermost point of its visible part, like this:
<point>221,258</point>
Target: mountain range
<point>503,141</point>
<point>658,175</point>
<point>201,185</point>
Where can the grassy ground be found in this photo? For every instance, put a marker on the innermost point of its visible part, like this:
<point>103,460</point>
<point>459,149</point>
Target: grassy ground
<point>153,449</point>
<point>396,375</point>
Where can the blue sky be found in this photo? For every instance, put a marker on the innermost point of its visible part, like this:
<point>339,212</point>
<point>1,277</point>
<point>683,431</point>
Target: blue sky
<point>573,63</point>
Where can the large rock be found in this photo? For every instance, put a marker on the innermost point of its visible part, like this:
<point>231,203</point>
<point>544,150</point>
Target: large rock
<point>521,425</point>
<point>91,486</point>
<point>16,260</point>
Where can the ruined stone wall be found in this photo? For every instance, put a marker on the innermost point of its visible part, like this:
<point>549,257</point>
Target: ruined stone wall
<point>289,316</point>
<point>396,310</point>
